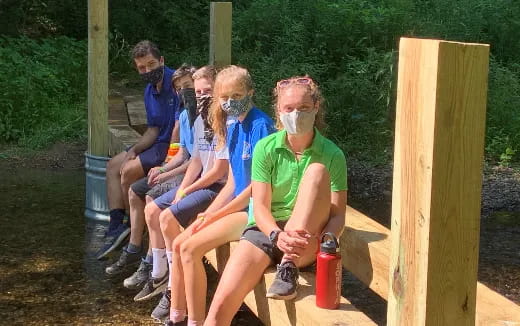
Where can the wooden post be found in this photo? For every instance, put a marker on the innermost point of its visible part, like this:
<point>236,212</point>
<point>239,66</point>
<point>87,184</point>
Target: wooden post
<point>439,142</point>
<point>98,77</point>
<point>220,34</point>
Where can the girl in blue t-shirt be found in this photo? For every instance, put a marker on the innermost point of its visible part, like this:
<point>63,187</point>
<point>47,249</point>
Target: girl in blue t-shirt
<point>225,219</point>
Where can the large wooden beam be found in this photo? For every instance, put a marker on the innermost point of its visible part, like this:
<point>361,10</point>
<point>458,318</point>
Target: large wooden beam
<point>98,77</point>
<point>365,248</point>
<point>220,33</point>
<point>439,144</point>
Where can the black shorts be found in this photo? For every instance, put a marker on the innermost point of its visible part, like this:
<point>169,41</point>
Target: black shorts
<point>142,189</point>
<point>261,241</point>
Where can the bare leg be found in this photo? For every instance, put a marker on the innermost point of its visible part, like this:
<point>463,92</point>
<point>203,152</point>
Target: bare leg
<point>243,271</point>
<point>170,227</point>
<point>151,214</point>
<point>115,197</point>
<point>312,208</point>
<point>136,218</point>
<point>227,229</point>
<point>178,298</point>
<point>132,171</point>
<point>148,200</point>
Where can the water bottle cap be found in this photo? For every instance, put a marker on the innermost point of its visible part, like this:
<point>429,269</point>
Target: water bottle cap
<point>331,246</point>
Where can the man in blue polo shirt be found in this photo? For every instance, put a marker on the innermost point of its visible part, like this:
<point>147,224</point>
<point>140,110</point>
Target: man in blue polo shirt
<point>162,114</point>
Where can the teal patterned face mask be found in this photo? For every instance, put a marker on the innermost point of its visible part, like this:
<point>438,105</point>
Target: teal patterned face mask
<point>236,107</point>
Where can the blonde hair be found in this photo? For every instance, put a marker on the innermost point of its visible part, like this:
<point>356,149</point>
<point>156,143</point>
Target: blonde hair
<point>207,72</point>
<point>317,98</point>
<point>217,116</point>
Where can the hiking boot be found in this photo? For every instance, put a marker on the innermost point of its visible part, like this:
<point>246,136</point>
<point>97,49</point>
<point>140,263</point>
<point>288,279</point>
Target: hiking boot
<point>126,260</point>
<point>152,288</point>
<point>113,240</point>
<point>285,282</point>
<point>140,277</point>
<point>162,310</point>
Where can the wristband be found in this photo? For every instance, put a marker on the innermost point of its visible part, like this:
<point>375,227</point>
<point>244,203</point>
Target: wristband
<point>201,217</point>
<point>181,193</point>
<point>162,170</point>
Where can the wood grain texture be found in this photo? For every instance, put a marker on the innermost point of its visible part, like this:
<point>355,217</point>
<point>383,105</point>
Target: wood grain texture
<point>441,104</point>
<point>300,311</point>
<point>220,33</point>
<point>98,77</point>
<point>365,251</point>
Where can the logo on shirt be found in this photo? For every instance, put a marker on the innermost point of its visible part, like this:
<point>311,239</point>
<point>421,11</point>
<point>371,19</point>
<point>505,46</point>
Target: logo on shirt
<point>246,151</point>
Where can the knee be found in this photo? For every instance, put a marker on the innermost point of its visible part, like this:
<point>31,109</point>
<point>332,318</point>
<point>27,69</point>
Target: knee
<point>164,219</point>
<point>132,196</point>
<point>176,246</point>
<point>151,210</point>
<point>189,252</point>
<point>317,173</point>
<point>113,166</point>
<point>126,180</point>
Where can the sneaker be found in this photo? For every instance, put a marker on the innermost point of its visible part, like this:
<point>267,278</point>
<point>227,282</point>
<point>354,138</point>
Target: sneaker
<point>140,277</point>
<point>285,282</point>
<point>162,310</point>
<point>126,260</point>
<point>171,323</point>
<point>152,288</point>
<point>113,240</point>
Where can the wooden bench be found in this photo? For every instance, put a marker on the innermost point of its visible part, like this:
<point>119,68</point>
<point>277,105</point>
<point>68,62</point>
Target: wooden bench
<point>126,122</point>
<point>365,250</point>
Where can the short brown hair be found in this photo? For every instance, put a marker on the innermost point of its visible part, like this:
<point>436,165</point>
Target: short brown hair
<point>144,48</point>
<point>183,70</point>
<point>208,72</point>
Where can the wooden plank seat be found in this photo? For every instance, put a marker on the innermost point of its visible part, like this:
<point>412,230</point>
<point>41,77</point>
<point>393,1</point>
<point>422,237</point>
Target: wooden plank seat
<point>300,311</point>
<point>365,250</point>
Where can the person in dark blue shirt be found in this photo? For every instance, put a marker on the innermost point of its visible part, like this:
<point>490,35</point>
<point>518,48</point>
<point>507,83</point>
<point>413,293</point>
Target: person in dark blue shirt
<point>162,114</point>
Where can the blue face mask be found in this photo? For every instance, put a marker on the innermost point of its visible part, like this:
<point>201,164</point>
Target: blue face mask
<point>236,107</point>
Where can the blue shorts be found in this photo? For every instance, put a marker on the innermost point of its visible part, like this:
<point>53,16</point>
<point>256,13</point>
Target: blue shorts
<point>186,209</point>
<point>152,156</point>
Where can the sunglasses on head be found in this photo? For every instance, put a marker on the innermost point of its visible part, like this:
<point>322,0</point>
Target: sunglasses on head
<point>298,80</point>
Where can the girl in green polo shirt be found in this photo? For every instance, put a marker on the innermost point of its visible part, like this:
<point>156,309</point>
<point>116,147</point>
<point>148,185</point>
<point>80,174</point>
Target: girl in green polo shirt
<point>299,191</point>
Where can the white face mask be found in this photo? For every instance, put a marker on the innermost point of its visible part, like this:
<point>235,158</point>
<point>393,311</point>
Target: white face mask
<point>298,122</point>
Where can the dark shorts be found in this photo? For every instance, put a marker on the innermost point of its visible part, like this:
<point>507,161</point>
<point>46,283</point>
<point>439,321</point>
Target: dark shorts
<point>186,209</point>
<point>261,241</point>
<point>153,156</point>
<point>142,189</point>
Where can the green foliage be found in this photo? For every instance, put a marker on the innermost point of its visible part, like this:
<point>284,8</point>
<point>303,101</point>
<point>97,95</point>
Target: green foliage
<point>503,116</point>
<point>349,47</point>
<point>44,85</point>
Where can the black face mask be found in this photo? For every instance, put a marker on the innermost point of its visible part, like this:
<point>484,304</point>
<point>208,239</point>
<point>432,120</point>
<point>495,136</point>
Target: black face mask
<point>203,104</point>
<point>187,96</point>
<point>153,76</point>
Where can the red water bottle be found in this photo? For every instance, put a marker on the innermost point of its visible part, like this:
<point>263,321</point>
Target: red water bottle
<point>328,273</point>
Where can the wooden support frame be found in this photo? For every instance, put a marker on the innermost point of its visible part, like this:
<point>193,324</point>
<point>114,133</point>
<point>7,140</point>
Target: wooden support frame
<point>439,145</point>
<point>98,77</point>
<point>220,34</point>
